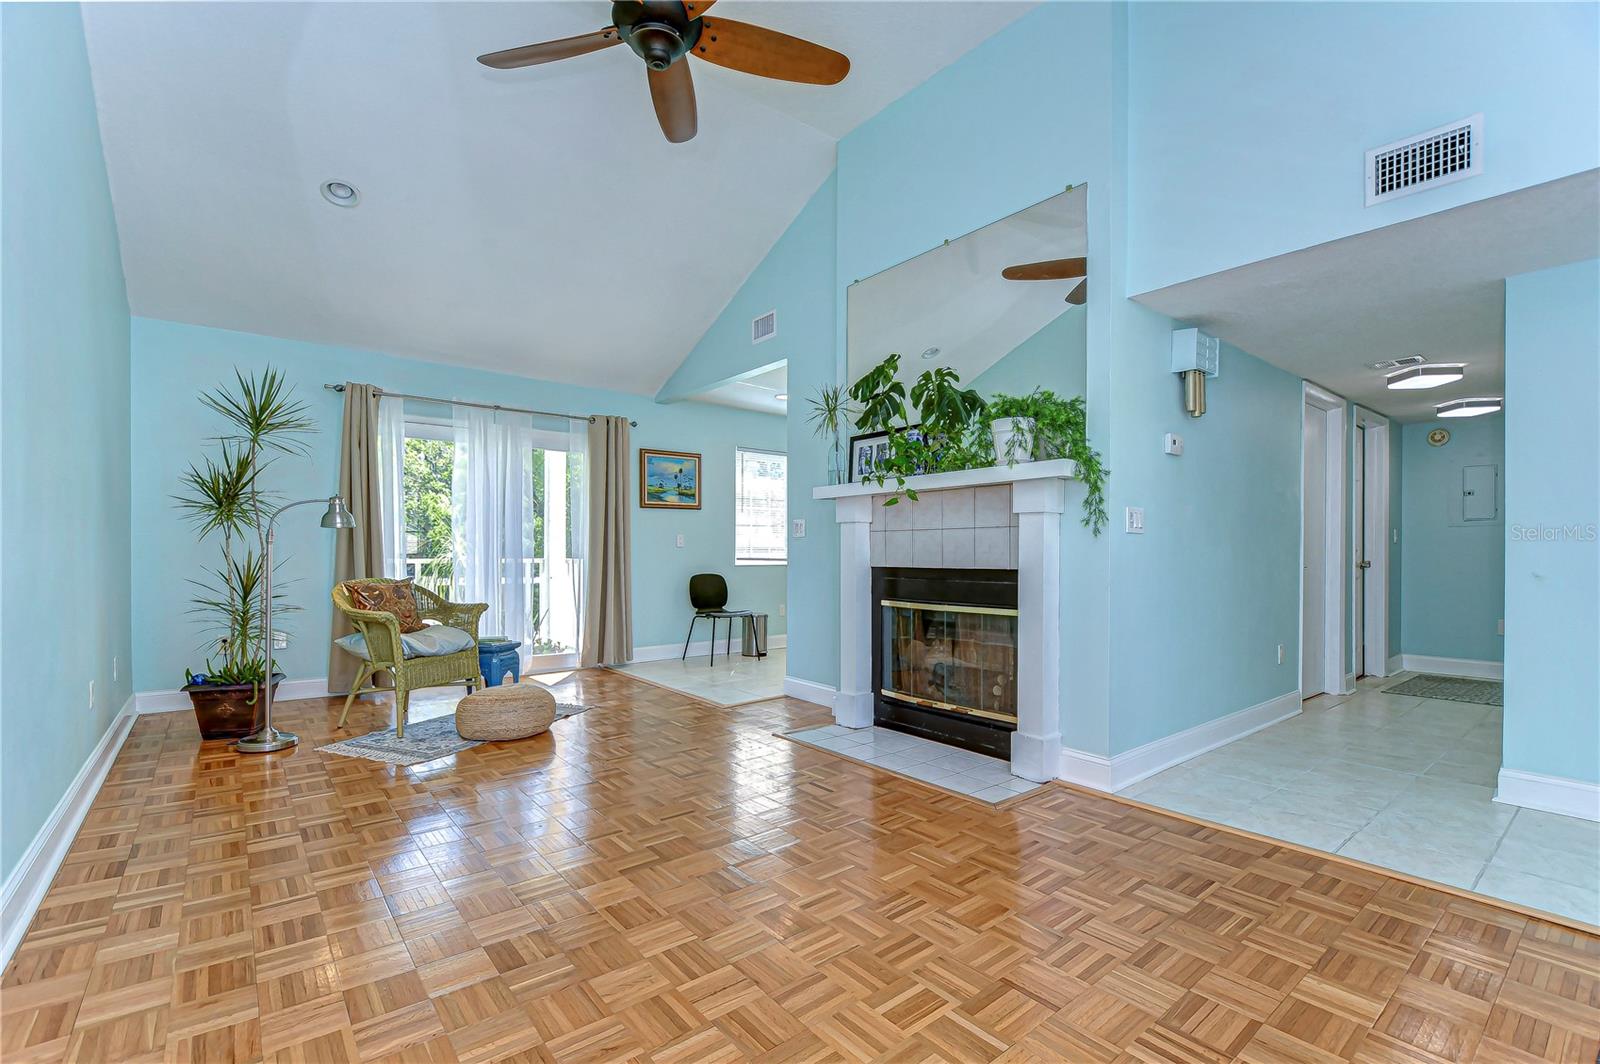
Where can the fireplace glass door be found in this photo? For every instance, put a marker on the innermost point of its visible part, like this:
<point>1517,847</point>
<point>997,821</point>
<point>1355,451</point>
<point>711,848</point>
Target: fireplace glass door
<point>960,659</point>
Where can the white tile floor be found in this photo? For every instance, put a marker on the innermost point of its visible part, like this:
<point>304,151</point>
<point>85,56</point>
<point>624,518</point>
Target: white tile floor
<point>988,779</point>
<point>1405,783</point>
<point>728,682</point>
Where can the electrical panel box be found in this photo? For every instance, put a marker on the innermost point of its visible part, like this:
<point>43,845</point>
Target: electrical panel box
<point>1480,492</point>
<point>1193,349</point>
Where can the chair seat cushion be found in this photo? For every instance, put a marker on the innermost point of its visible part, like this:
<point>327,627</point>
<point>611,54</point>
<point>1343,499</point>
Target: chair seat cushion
<point>429,641</point>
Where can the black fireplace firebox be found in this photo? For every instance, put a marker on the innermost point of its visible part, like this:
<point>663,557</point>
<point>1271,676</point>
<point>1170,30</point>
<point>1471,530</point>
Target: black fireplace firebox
<point>944,660</point>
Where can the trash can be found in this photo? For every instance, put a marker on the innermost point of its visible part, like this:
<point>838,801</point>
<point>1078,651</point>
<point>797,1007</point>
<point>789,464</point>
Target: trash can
<point>754,642</point>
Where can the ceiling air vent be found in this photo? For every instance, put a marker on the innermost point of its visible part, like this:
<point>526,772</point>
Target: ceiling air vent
<point>1437,157</point>
<point>1398,363</point>
<point>764,327</point>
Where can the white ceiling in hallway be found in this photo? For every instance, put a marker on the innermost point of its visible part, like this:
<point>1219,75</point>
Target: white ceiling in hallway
<point>1433,286</point>
<point>532,222</point>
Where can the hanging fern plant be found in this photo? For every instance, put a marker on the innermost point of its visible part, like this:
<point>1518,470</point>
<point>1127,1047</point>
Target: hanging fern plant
<point>1060,430</point>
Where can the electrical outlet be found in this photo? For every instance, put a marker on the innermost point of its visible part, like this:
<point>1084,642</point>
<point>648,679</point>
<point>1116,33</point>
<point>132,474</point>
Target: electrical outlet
<point>783,609</point>
<point>680,540</point>
<point>1280,653</point>
<point>799,524</point>
<point>1134,515</point>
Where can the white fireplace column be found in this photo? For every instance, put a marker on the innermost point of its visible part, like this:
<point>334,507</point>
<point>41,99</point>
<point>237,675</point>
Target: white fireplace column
<point>1036,744</point>
<point>852,706</point>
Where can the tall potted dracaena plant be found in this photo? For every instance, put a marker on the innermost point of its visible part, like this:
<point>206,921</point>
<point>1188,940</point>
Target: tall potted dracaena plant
<point>224,499</point>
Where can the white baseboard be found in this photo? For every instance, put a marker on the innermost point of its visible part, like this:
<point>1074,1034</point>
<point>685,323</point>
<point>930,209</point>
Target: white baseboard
<point>1396,663</point>
<point>30,878</point>
<point>819,694</point>
<point>1551,794</point>
<point>171,701</point>
<point>700,648</point>
<point>1125,769</point>
<point>1467,667</point>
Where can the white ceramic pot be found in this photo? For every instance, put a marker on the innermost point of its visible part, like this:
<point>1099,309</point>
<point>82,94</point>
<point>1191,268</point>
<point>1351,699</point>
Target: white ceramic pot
<point>1013,440</point>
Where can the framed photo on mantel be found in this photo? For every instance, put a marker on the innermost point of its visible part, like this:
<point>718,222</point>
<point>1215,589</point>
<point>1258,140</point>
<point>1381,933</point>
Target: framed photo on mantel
<point>870,450</point>
<point>669,480</point>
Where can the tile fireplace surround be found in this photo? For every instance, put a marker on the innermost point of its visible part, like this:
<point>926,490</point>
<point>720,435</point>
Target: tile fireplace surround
<point>1016,511</point>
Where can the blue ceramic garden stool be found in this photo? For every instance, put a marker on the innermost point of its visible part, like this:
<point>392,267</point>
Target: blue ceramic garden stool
<point>497,658</point>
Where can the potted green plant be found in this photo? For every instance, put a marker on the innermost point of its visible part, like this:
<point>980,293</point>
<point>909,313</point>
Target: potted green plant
<point>1052,427</point>
<point>830,413</point>
<point>224,499</point>
<point>945,438</point>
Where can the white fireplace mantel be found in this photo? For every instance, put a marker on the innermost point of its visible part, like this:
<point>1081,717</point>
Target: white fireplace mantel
<point>1038,497</point>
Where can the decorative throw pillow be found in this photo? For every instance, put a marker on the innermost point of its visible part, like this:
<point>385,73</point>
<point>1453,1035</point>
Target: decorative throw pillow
<point>391,597</point>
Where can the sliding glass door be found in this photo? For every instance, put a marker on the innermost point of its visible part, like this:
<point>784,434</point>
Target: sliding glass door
<point>495,513</point>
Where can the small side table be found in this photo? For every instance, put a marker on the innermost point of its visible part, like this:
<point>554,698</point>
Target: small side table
<point>497,658</point>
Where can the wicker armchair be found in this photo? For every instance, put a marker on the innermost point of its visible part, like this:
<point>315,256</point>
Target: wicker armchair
<point>382,633</point>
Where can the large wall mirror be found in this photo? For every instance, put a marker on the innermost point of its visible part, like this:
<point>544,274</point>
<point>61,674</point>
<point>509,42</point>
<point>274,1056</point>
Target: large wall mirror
<point>1002,306</point>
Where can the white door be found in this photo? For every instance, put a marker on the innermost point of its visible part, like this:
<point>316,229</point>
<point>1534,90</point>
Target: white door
<point>1315,457</point>
<point>1358,548</point>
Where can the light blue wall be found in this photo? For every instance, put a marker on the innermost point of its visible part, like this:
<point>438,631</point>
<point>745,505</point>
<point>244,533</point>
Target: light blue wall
<point>1454,573</point>
<point>1055,358</point>
<point>1552,558</point>
<point>795,279</point>
<point>173,362</point>
<point>1249,122</point>
<point>1202,600</point>
<point>64,608</point>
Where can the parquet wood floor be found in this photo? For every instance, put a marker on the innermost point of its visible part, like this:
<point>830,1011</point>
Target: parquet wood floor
<point>662,880</point>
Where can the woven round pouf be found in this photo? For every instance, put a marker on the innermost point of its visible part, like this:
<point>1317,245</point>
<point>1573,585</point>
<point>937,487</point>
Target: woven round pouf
<point>497,714</point>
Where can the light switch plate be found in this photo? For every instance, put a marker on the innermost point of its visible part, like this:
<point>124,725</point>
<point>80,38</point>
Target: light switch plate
<point>680,539</point>
<point>799,524</point>
<point>1172,444</point>
<point>1135,520</point>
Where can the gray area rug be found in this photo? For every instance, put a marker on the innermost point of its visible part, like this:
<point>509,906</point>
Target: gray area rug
<point>1450,688</point>
<point>426,740</point>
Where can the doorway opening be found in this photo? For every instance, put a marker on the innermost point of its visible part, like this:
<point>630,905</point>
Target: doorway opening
<point>1370,539</point>
<point>1322,547</point>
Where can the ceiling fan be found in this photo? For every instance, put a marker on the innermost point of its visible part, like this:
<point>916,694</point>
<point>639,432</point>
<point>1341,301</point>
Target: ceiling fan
<point>1054,270</point>
<point>664,32</point>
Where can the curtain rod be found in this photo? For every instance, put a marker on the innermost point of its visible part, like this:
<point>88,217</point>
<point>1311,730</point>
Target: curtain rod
<point>480,406</point>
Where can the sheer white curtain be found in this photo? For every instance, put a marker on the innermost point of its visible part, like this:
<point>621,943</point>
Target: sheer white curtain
<point>391,484</point>
<point>493,505</point>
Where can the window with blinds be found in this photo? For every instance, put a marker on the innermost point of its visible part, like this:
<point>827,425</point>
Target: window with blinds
<point>760,508</point>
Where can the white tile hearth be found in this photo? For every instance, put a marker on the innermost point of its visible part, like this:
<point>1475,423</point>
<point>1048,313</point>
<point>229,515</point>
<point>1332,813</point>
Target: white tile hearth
<point>987,779</point>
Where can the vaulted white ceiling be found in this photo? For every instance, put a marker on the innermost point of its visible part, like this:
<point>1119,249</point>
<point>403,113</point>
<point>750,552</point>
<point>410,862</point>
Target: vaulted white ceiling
<point>533,222</point>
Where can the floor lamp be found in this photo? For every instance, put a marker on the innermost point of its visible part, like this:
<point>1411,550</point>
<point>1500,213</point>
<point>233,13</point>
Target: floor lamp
<point>267,738</point>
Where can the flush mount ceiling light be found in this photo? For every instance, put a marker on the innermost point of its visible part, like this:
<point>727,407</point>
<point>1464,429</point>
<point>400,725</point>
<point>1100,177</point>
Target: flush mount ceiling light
<point>340,193</point>
<point>1469,407</point>
<point>931,352</point>
<point>1428,375</point>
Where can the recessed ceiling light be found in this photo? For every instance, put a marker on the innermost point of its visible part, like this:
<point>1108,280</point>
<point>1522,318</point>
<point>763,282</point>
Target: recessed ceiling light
<point>1428,375</point>
<point>1469,407</point>
<point>931,352</point>
<point>782,397</point>
<point>341,193</point>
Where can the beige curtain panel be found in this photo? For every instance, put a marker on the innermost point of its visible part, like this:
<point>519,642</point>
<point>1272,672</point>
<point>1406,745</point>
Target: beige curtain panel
<point>360,553</point>
<point>608,606</point>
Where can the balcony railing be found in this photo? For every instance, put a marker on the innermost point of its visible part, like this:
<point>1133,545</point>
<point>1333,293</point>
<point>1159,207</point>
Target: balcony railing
<point>552,589</point>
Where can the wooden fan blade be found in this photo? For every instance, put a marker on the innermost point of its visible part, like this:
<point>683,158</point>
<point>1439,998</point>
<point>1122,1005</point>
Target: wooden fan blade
<point>696,8</point>
<point>1049,270</point>
<point>1079,294</point>
<point>550,51</point>
<point>672,91</point>
<point>768,53</point>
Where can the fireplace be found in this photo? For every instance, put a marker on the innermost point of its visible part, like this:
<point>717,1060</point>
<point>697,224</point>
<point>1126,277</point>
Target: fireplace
<point>944,657</point>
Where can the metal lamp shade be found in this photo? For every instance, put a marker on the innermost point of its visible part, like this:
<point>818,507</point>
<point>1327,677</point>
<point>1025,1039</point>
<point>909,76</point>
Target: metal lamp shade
<point>338,515</point>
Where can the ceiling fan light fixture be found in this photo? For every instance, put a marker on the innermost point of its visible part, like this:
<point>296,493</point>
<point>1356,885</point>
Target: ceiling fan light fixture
<point>1470,407</point>
<point>341,193</point>
<point>1427,375</point>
